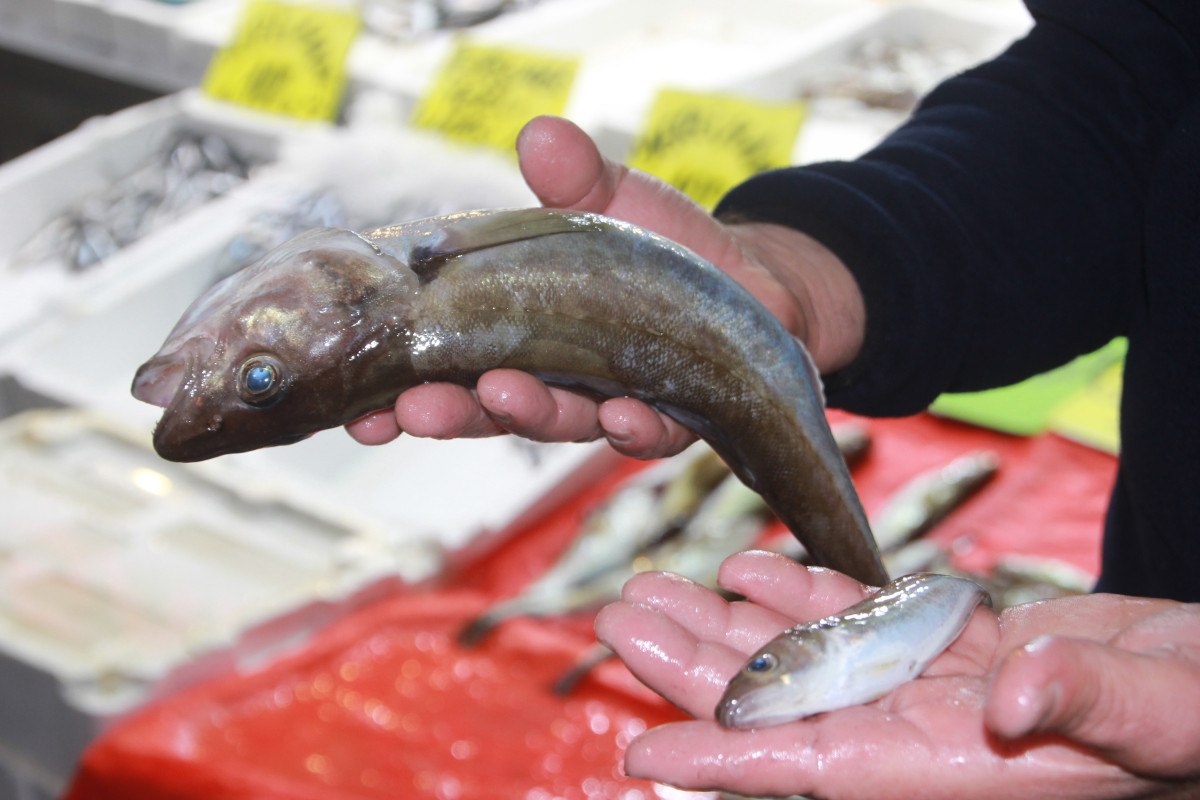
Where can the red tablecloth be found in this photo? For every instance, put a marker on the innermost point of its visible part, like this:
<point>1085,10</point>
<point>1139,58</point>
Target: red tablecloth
<point>386,704</point>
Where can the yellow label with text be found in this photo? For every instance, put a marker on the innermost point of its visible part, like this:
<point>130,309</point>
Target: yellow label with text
<point>285,59</point>
<point>705,144</point>
<point>484,94</point>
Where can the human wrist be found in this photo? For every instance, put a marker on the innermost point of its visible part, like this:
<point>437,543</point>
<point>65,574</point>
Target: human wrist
<point>830,313</point>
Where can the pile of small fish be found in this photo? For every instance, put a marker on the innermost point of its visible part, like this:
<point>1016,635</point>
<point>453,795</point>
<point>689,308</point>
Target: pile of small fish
<point>684,515</point>
<point>188,172</point>
<point>888,73</point>
<point>688,514</point>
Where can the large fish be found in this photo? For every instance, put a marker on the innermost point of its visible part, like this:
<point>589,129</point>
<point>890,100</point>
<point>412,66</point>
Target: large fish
<point>334,324</point>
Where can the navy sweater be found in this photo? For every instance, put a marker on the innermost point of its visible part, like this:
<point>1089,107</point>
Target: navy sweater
<point>1032,209</point>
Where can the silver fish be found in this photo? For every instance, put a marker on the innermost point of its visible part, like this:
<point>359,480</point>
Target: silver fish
<point>335,324</point>
<point>853,657</point>
<point>730,519</point>
<point>928,498</point>
<point>645,509</point>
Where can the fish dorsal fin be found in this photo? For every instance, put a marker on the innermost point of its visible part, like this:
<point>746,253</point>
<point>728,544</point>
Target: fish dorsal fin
<point>425,245</point>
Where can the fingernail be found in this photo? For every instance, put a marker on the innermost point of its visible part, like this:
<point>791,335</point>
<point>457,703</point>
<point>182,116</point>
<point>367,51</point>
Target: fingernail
<point>619,439</point>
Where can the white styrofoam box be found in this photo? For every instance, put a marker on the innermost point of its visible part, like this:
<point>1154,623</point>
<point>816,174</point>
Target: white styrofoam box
<point>628,49</point>
<point>418,490</point>
<point>834,127</point>
<point>26,20</point>
<point>48,182</point>
<point>123,578</point>
<point>200,29</point>
<point>956,33</point>
<point>143,32</point>
<point>85,25</point>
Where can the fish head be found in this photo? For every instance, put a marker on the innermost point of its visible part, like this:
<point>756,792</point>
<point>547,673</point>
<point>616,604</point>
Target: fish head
<point>260,359</point>
<point>776,684</point>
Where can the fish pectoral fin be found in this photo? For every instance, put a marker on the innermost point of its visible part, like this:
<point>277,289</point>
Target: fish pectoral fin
<point>470,231</point>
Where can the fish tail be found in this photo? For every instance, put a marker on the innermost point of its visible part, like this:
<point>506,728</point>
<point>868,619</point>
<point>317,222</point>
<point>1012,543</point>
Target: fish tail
<point>527,605</point>
<point>596,655</point>
<point>476,630</point>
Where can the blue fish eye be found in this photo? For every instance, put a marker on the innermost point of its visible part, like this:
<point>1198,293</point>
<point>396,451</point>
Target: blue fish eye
<point>260,379</point>
<point>761,663</point>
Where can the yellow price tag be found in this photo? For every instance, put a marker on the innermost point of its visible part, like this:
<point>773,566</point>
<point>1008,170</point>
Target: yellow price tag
<point>484,95</point>
<point>705,144</point>
<point>286,59</point>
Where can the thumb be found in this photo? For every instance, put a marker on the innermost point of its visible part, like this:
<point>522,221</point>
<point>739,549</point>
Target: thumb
<point>563,166</point>
<point>1135,709</point>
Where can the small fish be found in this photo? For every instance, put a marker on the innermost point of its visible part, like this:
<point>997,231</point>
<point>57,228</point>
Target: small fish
<point>853,657</point>
<point>191,170</point>
<point>853,440</point>
<point>647,508</point>
<point>928,498</point>
<point>730,519</point>
<point>334,324</point>
<point>919,555</point>
<point>1018,579</point>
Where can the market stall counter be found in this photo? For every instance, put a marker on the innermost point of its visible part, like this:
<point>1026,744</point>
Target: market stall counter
<point>388,703</point>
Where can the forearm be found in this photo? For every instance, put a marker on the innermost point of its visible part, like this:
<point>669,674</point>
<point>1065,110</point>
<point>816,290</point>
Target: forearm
<point>998,233</point>
<point>831,318</point>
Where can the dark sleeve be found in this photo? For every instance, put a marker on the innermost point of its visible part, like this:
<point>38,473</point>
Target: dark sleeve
<point>998,233</point>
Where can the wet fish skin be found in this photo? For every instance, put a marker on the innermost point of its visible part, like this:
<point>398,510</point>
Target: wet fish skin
<point>342,323</point>
<point>853,657</point>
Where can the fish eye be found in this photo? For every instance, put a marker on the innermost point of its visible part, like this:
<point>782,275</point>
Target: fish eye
<point>260,379</point>
<point>763,662</point>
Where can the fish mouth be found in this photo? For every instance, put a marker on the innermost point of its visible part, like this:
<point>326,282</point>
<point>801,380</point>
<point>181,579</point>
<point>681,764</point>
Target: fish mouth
<point>158,380</point>
<point>185,430</point>
<point>740,709</point>
<point>729,713</point>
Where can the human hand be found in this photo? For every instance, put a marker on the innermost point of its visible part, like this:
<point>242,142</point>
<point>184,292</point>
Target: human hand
<point>1083,697</point>
<point>564,169</point>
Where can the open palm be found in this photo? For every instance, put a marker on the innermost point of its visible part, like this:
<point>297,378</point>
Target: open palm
<point>1014,708</point>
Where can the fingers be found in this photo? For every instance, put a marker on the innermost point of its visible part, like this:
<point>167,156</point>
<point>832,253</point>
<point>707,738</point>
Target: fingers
<point>516,402</point>
<point>1137,709</point>
<point>522,404</point>
<point>434,410</point>
<point>563,167</point>
<point>855,754</point>
<point>788,588</point>
<point>443,411</point>
<point>376,428</point>
<point>706,615</point>
<point>699,756</point>
<point>682,639</point>
<point>637,430</point>
<point>667,657</point>
<point>510,401</point>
